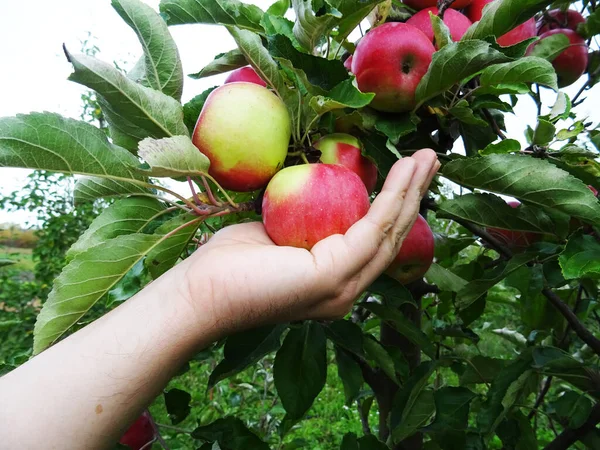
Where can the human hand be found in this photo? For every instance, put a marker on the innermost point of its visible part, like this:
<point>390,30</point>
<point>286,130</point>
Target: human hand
<point>243,279</point>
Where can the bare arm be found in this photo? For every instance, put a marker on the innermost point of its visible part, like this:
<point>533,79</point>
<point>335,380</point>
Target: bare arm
<point>84,391</point>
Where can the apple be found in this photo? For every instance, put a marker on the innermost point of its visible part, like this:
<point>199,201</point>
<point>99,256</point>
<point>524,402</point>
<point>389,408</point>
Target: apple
<point>524,31</point>
<point>247,74</point>
<point>416,254</point>
<point>390,62</point>
<point>348,63</point>
<point>514,240</point>
<point>140,433</point>
<point>344,149</point>
<point>307,203</point>
<point>572,63</point>
<point>457,23</point>
<point>558,18</point>
<point>422,4</point>
<point>244,130</point>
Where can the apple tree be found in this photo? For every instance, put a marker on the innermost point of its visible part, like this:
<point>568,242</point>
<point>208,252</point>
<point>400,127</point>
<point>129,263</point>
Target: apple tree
<point>411,350</point>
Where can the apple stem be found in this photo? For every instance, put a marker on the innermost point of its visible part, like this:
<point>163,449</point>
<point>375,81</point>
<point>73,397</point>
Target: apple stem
<point>223,191</point>
<point>157,436</point>
<point>209,192</point>
<point>194,195</point>
<point>304,158</point>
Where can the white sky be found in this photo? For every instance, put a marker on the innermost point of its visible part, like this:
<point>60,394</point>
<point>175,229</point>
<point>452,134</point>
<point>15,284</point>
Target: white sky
<point>34,69</point>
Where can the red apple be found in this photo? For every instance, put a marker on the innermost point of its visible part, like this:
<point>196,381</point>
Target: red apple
<point>572,63</point>
<point>344,149</point>
<point>244,130</point>
<point>524,31</point>
<point>348,63</point>
<point>247,74</point>
<point>416,254</point>
<point>422,4</point>
<point>558,18</point>
<point>140,433</point>
<point>307,203</point>
<point>514,240</point>
<point>390,61</point>
<point>457,23</point>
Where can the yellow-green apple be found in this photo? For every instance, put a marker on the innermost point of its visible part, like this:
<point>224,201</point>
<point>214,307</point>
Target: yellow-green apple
<point>244,130</point>
<point>307,203</point>
<point>457,23</point>
<point>247,74</point>
<point>345,149</point>
<point>524,31</point>
<point>422,4</point>
<point>390,62</point>
<point>140,433</point>
<point>572,62</point>
<point>416,254</point>
<point>557,18</point>
<point>514,240</point>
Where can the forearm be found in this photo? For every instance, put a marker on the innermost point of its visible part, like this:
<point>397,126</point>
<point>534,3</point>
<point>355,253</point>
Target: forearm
<point>84,391</point>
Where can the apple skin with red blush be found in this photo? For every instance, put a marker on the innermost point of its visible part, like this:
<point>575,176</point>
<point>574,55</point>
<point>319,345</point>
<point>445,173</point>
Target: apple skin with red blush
<point>457,23</point>
<point>245,74</point>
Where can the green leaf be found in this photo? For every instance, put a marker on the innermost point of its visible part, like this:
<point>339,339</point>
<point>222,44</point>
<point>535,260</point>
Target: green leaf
<point>465,114</point>
<point>573,408</point>
<point>223,62</point>
<point>581,257</point>
<point>300,368</point>
<point>245,349</point>
<point>126,216</point>
<point>502,147</point>
<point>453,64</point>
<point>132,111</point>
<point>350,374</point>
<point>344,95</point>
<point>441,32</point>
<point>83,281</point>
<point>173,157</point>
<point>516,432</point>
<point>445,329</point>
<point>326,74</point>
<point>279,8</point>
<point>502,16</point>
<point>476,288</point>
<point>532,180</point>
<point>376,147</point>
<point>163,71</point>
<point>347,335</point>
<point>274,25</point>
<point>392,291</point>
<point>550,47</point>
<point>177,403</point>
<point>413,405</point>
<point>88,189</point>
<point>444,278</point>
<point>177,237</point>
<point>396,127</point>
<point>50,142</point>
<point>544,133</point>
<point>481,369</point>
<point>491,211</point>
<point>404,326</point>
<point>452,406</point>
<point>370,442</point>
<point>349,442</point>
<point>221,12</point>
<point>191,110</point>
<point>7,262</point>
<point>231,434</point>
<point>562,108</point>
<point>525,70</point>
<point>377,353</point>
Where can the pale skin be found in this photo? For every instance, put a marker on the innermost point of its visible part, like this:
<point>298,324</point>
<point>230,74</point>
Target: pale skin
<point>83,392</point>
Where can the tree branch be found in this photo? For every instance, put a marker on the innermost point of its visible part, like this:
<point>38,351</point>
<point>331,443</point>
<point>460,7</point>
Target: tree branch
<point>540,398</point>
<point>569,436</point>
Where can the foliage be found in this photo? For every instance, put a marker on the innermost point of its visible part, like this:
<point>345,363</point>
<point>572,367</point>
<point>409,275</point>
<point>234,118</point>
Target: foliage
<point>498,349</point>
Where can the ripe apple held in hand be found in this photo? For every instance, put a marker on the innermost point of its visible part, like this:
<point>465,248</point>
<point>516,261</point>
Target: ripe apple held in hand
<point>416,254</point>
<point>572,63</point>
<point>140,433</point>
<point>244,130</point>
<point>524,31</point>
<point>247,74</point>
<point>422,4</point>
<point>307,203</point>
<point>514,240</point>
<point>344,149</point>
<point>558,18</point>
<point>390,61</point>
<point>457,23</point>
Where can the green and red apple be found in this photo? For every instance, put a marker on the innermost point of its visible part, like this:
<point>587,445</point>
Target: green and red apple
<point>416,254</point>
<point>140,433</point>
<point>245,74</point>
<point>572,62</point>
<point>244,130</point>
<point>307,203</point>
<point>524,31</point>
<point>390,61</point>
<point>557,18</point>
<point>345,149</point>
<point>457,23</point>
<point>422,4</point>
<point>514,240</point>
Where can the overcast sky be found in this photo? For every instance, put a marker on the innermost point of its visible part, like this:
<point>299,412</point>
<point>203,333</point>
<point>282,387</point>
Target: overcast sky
<point>34,69</point>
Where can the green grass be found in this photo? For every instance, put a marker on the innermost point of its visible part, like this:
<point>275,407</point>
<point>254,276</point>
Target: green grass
<point>21,255</point>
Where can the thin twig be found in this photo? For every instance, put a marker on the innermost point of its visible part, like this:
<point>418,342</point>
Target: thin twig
<point>569,436</point>
<point>540,398</point>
